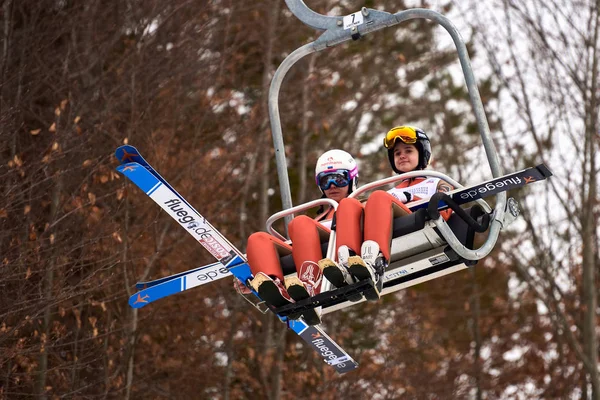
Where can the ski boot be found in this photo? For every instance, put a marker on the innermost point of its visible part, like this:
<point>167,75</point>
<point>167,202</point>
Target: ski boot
<point>370,266</point>
<point>338,274</point>
<point>271,290</point>
<point>306,284</point>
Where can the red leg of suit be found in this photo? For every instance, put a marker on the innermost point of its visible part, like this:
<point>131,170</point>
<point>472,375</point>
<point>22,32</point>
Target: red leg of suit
<point>264,251</point>
<point>380,211</point>
<point>349,218</point>
<point>307,235</point>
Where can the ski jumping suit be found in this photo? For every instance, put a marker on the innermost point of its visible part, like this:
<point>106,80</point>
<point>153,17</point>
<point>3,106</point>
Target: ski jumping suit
<point>264,251</point>
<point>379,212</point>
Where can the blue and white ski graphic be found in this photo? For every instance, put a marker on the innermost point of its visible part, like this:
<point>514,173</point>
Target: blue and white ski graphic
<point>147,284</point>
<point>185,281</point>
<point>128,154</point>
<point>194,223</point>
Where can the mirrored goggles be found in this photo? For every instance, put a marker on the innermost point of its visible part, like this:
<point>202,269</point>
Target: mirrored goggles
<point>338,178</point>
<point>406,134</point>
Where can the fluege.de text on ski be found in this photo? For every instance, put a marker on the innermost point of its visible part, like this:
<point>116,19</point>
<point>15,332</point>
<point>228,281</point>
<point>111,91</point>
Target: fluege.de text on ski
<point>200,230</point>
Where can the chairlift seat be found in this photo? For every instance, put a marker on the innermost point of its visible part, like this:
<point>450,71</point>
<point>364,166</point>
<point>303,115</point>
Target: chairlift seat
<point>418,253</point>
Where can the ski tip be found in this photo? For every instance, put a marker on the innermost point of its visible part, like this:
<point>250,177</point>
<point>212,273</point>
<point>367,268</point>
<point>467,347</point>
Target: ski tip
<point>127,153</point>
<point>544,170</point>
<point>129,167</point>
<point>139,301</point>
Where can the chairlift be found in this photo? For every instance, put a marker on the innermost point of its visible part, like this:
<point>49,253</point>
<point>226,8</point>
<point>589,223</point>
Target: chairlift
<point>424,245</point>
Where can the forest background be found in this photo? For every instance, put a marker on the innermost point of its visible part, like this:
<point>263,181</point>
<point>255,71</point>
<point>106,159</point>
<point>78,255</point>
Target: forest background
<point>186,82</point>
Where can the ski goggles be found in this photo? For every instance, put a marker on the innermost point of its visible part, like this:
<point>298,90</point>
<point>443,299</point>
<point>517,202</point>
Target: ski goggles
<point>406,134</point>
<point>340,178</point>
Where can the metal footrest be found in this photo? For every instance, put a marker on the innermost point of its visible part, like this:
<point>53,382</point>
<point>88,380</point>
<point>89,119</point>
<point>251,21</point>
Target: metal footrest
<point>326,299</point>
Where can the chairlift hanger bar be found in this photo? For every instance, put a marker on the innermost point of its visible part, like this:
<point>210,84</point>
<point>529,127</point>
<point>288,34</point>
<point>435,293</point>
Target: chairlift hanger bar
<point>334,34</point>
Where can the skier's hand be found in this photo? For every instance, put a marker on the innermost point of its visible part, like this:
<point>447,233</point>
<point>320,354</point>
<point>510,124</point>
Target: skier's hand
<point>404,197</point>
<point>240,287</point>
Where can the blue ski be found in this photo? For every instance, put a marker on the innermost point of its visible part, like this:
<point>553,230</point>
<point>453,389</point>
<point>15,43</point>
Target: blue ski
<point>147,284</point>
<point>185,281</point>
<point>156,187</point>
<point>188,218</point>
<point>127,154</point>
<point>492,187</point>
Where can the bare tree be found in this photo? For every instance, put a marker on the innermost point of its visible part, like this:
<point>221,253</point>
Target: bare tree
<point>545,59</point>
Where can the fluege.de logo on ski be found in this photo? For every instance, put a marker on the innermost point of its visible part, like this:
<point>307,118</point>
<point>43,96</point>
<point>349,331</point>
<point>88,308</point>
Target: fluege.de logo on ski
<point>317,340</point>
<point>495,186</point>
<point>199,230</point>
<point>326,353</point>
<point>176,206</point>
<point>212,274</point>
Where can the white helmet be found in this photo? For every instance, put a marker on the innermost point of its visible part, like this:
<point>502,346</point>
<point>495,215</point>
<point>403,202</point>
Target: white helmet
<point>337,161</point>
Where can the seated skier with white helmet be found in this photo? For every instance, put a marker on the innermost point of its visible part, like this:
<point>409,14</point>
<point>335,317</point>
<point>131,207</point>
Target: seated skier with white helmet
<point>336,175</point>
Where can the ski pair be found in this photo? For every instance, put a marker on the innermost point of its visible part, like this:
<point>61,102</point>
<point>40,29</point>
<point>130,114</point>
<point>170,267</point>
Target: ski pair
<point>167,286</point>
<point>141,173</point>
<point>187,280</point>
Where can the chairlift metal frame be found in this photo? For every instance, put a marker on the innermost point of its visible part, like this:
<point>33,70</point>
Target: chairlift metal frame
<point>351,27</point>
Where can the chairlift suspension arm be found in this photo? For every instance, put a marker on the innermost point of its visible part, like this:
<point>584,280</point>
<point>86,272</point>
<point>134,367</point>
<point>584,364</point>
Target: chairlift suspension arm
<point>335,34</point>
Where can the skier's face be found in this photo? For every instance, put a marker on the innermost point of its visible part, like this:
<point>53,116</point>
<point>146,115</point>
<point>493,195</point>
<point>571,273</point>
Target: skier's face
<point>406,156</point>
<point>336,193</point>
